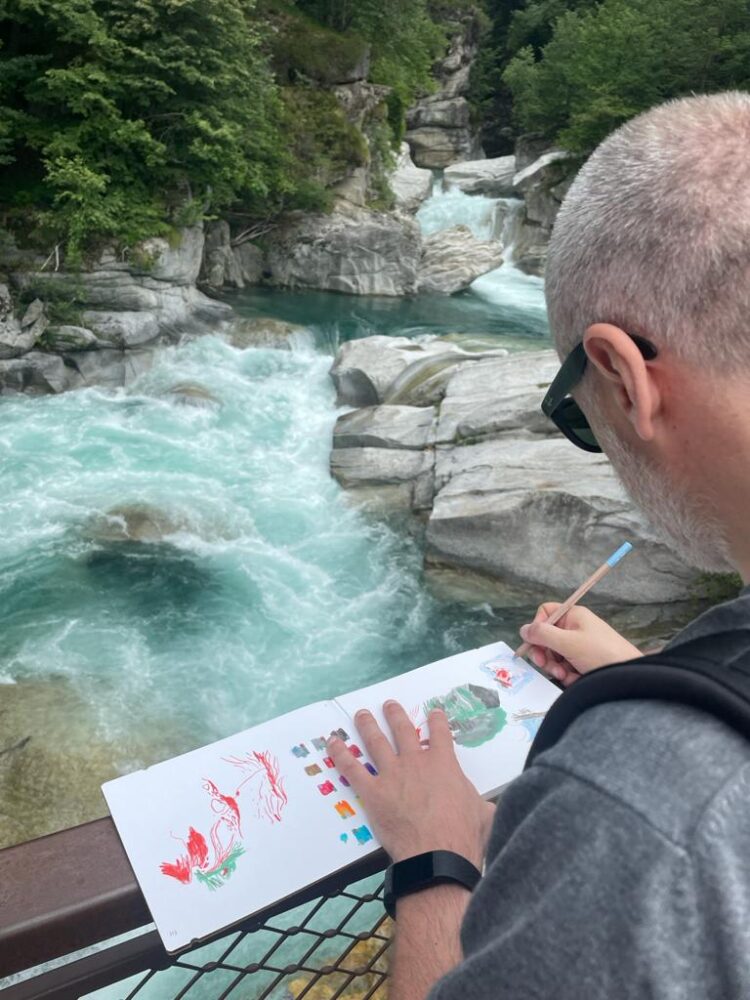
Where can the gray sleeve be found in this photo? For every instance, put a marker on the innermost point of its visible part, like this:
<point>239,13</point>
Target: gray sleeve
<point>582,898</point>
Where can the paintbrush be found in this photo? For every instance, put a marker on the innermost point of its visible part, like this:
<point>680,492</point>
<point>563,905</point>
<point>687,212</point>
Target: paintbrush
<point>575,597</point>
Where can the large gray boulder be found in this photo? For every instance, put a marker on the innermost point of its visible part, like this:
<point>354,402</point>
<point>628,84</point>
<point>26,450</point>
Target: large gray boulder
<point>492,177</point>
<point>177,261</point>
<point>36,373</point>
<point>410,184</point>
<point>408,427</point>
<point>513,511</point>
<point>360,252</point>
<point>392,369</point>
<point>387,479</point>
<point>453,258</point>
<point>498,397</point>
<point>543,185</point>
<point>533,512</point>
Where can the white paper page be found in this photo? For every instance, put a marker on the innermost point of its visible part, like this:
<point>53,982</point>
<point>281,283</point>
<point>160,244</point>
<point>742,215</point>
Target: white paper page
<point>221,832</point>
<point>495,702</point>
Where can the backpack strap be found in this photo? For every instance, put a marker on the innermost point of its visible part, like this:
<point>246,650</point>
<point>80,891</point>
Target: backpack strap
<point>711,673</point>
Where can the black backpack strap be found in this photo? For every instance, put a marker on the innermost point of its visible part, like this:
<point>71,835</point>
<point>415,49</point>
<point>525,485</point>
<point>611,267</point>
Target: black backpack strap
<point>711,673</point>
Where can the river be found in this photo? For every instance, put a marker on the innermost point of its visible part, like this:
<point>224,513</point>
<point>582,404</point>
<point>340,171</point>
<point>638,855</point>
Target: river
<point>267,589</point>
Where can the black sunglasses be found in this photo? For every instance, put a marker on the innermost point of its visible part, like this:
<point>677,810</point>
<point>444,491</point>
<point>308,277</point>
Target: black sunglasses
<point>563,410</point>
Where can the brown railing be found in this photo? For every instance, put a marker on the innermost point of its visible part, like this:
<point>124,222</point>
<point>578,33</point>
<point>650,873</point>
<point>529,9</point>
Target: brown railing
<point>75,889</point>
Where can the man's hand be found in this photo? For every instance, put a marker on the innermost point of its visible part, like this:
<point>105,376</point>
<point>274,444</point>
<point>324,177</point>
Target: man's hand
<point>578,643</point>
<point>420,799</point>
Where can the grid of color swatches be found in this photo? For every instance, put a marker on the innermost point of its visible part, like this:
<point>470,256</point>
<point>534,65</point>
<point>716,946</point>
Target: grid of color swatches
<point>321,770</point>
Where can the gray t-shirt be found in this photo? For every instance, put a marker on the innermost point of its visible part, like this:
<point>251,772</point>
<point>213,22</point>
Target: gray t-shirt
<point>619,862</point>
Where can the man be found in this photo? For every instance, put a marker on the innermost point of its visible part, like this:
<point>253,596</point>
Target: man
<point>617,864</point>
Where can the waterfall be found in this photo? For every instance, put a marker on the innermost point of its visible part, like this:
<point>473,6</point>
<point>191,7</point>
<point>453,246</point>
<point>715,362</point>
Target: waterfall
<point>489,219</point>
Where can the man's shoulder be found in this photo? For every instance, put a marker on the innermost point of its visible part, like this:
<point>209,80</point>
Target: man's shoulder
<point>665,762</point>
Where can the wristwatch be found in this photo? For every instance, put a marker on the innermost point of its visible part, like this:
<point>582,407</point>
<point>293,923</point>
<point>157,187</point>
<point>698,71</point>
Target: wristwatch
<point>423,871</point>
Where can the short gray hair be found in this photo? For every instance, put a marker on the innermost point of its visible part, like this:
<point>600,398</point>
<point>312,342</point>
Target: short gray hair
<point>654,234</point>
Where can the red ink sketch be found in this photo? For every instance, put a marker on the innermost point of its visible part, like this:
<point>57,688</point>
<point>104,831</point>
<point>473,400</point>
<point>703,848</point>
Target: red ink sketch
<point>213,867</point>
<point>419,722</point>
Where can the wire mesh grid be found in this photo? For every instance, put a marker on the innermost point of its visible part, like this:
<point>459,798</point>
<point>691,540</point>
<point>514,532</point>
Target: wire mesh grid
<point>334,947</point>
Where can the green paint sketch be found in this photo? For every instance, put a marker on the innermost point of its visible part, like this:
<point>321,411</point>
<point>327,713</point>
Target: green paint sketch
<point>474,713</point>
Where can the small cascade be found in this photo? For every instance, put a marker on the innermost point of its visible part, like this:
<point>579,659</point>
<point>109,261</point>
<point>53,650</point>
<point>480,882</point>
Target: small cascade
<point>488,218</point>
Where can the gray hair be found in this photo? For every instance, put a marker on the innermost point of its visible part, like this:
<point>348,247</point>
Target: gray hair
<point>654,234</point>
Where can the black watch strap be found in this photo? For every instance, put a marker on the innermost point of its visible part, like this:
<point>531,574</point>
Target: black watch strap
<point>425,870</point>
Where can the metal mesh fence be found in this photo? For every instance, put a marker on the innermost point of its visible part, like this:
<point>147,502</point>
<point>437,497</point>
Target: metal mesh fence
<point>333,947</point>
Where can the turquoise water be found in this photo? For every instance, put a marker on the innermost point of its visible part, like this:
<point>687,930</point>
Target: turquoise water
<point>269,590</point>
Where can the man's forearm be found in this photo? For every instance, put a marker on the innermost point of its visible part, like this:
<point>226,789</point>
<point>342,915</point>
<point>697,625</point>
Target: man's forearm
<point>427,942</point>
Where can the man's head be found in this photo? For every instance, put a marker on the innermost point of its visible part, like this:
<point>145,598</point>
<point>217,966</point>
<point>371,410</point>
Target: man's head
<point>653,240</point>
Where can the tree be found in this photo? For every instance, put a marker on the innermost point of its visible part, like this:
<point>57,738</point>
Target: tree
<point>606,63</point>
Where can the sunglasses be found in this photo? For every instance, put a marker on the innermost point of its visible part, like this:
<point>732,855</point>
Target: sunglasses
<point>563,410</point>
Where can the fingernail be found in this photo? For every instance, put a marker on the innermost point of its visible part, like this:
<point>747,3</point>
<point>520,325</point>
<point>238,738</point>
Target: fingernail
<point>362,713</point>
<point>389,703</point>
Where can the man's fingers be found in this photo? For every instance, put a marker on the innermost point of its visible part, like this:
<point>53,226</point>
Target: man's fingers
<point>354,772</point>
<point>560,640</point>
<point>441,738</point>
<point>404,733</point>
<point>545,610</point>
<point>374,739</point>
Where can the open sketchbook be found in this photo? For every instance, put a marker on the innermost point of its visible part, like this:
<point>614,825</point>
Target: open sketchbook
<point>222,832</point>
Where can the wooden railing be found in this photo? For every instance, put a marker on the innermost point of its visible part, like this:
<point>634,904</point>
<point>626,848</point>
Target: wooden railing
<point>75,889</point>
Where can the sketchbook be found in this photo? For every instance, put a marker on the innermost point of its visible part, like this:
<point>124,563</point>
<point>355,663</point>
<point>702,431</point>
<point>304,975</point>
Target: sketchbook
<point>222,832</point>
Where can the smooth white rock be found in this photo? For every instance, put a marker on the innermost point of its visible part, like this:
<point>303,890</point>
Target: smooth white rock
<point>453,258</point>
<point>493,177</point>
<point>385,426</point>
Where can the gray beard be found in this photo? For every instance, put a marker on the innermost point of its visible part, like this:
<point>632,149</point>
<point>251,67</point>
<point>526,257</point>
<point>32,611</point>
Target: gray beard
<point>688,524</point>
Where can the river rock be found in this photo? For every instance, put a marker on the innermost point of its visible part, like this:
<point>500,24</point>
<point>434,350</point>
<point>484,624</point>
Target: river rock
<point>364,370</point>
<point>14,341</point>
<point>220,265</point>
<point>133,523</point>
<point>385,478</point>
<point>453,258</point>
<point>489,177</point>
<point>361,252</point>
<point>62,339</point>
<point>177,262</point>
<point>473,408</point>
<point>530,248</point>
<point>408,427</point>
<point>36,373</point>
<point>249,259</point>
<point>192,394</point>
<point>410,184</point>
<point>532,511</point>
<point>512,508</point>
<point>265,331</point>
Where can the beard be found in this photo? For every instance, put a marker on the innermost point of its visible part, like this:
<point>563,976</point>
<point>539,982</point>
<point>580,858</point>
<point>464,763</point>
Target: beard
<point>688,524</point>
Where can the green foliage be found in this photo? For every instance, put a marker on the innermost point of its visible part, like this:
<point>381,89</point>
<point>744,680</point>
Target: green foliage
<point>312,51</point>
<point>324,145</point>
<point>605,63</point>
<point>63,296</point>
<point>114,113</point>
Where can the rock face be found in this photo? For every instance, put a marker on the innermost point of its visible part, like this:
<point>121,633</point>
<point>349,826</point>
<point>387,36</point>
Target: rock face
<point>511,508</point>
<point>360,252</point>
<point>453,258</point>
<point>410,184</point>
<point>542,184</point>
<point>124,305</point>
<point>439,129</point>
<point>396,370</point>
<point>489,177</point>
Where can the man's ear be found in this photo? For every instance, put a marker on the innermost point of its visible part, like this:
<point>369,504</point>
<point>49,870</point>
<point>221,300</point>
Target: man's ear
<point>617,359</point>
